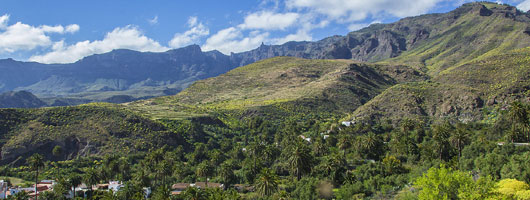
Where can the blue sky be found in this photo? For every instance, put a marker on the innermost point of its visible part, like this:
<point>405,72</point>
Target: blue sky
<point>62,31</point>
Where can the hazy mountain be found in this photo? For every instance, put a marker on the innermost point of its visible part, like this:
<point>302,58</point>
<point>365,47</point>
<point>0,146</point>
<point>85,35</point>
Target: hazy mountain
<point>20,99</point>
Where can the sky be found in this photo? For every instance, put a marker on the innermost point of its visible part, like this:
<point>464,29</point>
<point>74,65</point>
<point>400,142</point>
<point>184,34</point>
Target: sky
<point>64,31</point>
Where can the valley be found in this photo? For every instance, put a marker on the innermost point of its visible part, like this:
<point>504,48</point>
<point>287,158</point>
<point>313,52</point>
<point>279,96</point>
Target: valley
<point>435,106</point>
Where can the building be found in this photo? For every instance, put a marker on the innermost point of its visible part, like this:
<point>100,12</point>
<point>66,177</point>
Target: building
<point>178,188</point>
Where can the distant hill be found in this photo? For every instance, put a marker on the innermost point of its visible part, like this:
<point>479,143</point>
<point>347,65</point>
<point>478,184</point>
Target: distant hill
<point>20,99</point>
<point>120,72</point>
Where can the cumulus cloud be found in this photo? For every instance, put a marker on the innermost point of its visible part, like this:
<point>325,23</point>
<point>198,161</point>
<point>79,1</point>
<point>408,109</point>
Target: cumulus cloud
<point>232,40</point>
<point>3,21</point>
<point>357,10</point>
<point>128,37</point>
<point>300,35</point>
<point>196,31</point>
<point>524,6</point>
<point>21,36</point>
<point>72,28</point>
<point>268,20</point>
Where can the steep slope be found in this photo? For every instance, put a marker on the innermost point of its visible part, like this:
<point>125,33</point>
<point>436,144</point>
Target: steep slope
<point>459,92</point>
<point>282,86</point>
<point>94,129</point>
<point>436,41</point>
<point>20,99</point>
<point>473,31</point>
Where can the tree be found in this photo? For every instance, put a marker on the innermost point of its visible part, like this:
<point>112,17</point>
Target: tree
<point>57,151</point>
<point>267,182</point>
<point>344,144</point>
<point>442,183</point>
<point>459,138</point>
<point>299,160</point>
<point>226,173</point>
<point>440,137</point>
<point>91,178</point>
<point>483,188</point>
<point>36,162</point>
<point>73,181</point>
<point>512,189</point>
<point>193,193</point>
<point>334,167</point>
<point>205,170</point>
<point>519,116</point>
<point>23,195</point>
<point>162,192</point>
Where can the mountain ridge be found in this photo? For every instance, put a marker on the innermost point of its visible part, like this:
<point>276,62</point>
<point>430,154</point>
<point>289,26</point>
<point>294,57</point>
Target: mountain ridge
<point>421,42</point>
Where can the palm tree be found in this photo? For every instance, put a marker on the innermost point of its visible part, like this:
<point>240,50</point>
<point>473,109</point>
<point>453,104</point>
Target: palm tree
<point>74,180</point>
<point>440,138</point>
<point>91,178</point>
<point>204,170</point>
<point>344,144</point>
<point>141,178</point>
<point>193,193</point>
<point>299,160</point>
<point>519,116</point>
<point>35,162</point>
<point>459,138</point>
<point>226,173</point>
<point>267,182</point>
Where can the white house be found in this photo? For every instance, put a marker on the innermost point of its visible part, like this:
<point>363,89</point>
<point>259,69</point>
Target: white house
<point>115,185</point>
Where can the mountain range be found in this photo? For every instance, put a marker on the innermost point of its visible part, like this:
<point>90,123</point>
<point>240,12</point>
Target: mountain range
<point>452,65</point>
<point>429,43</point>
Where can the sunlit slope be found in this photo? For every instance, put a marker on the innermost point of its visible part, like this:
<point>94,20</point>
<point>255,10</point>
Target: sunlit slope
<point>282,85</point>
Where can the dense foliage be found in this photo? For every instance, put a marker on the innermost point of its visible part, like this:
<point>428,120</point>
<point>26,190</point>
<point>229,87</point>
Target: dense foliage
<point>280,161</point>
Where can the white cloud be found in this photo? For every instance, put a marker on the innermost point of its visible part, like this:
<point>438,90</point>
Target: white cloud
<point>232,40</point>
<point>524,6</point>
<point>128,37</point>
<point>268,20</point>
<point>300,35</point>
<point>72,28</point>
<point>21,36</point>
<point>359,26</point>
<point>357,10</point>
<point>3,21</point>
<point>196,31</point>
<point>153,21</point>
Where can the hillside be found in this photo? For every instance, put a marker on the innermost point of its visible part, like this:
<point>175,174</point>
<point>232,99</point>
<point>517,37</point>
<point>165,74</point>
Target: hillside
<point>460,92</point>
<point>472,31</point>
<point>431,42</point>
<point>282,86</point>
<point>94,129</point>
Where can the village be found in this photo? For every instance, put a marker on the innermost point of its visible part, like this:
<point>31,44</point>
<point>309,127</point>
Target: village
<point>82,190</point>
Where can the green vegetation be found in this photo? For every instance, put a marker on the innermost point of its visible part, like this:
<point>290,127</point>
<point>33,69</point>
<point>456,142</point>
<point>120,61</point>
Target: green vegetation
<point>274,129</point>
